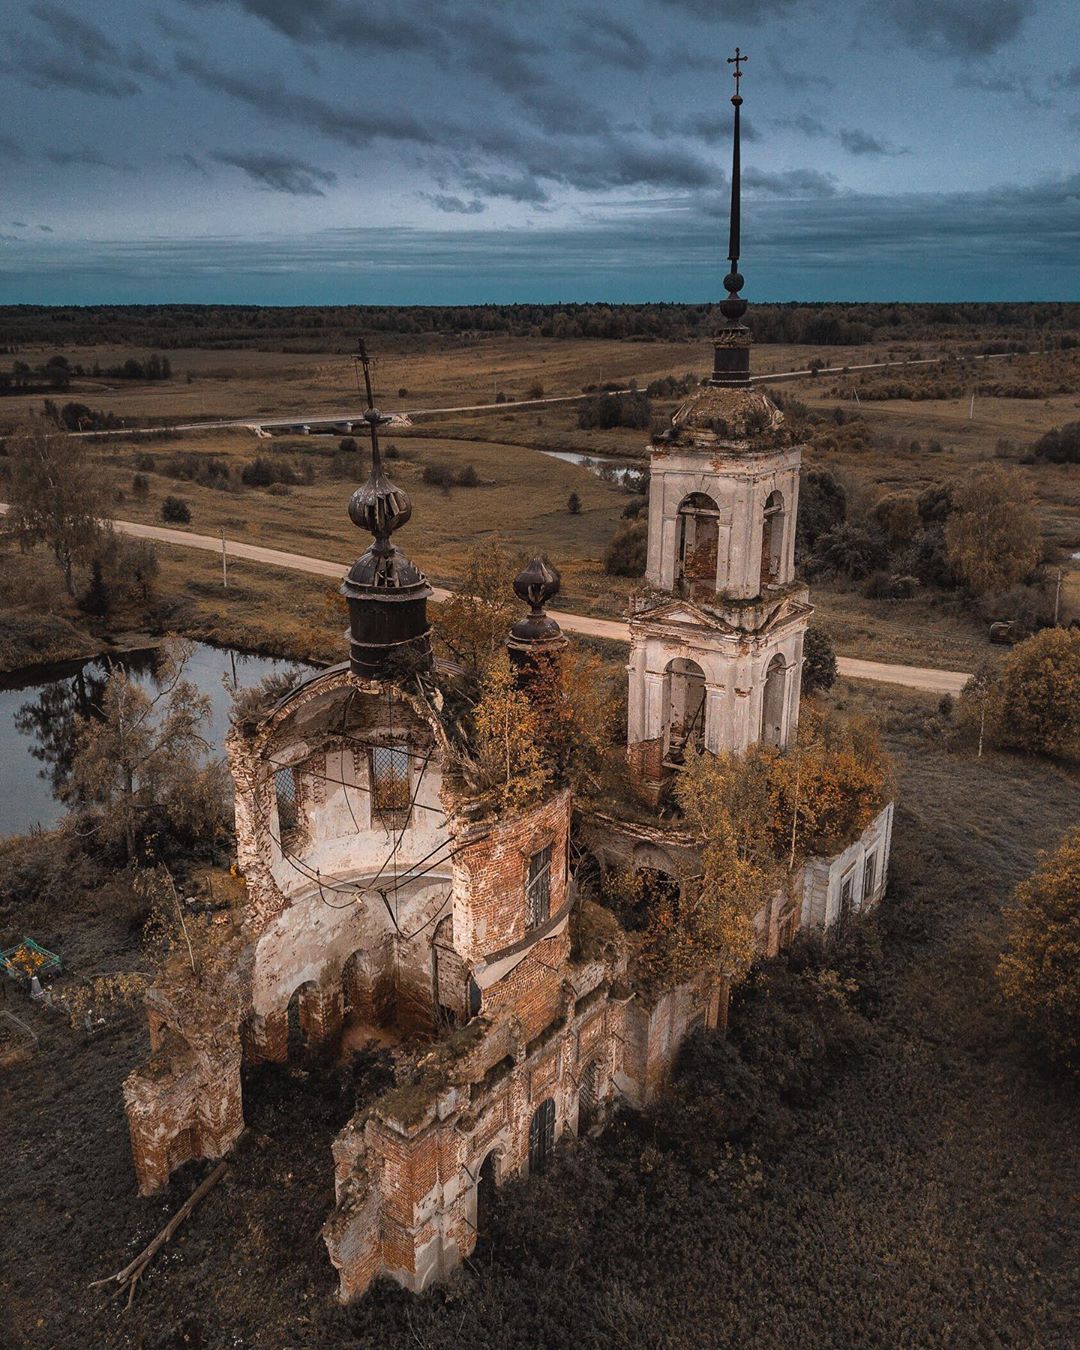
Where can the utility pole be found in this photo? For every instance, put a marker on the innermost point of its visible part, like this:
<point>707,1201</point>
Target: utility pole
<point>224,561</point>
<point>1057,596</point>
<point>971,411</point>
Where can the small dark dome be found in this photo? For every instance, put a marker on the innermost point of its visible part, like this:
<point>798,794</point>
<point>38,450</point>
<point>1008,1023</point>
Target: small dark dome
<point>537,634</point>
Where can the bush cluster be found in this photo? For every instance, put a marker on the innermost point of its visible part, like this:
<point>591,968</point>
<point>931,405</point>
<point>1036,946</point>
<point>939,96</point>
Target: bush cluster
<point>615,410</point>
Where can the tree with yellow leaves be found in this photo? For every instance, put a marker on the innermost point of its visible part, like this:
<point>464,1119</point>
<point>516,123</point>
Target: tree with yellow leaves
<point>992,535</point>
<point>474,621</point>
<point>508,761</point>
<point>1038,970</point>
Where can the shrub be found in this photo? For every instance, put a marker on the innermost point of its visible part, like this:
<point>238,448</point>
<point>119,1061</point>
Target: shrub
<point>849,550</point>
<point>633,509</point>
<point>390,451</point>
<point>347,445</point>
<point>140,485</point>
<point>403,392</point>
<point>626,553</point>
<point>467,477</point>
<point>926,559</point>
<point>819,661</point>
<point>535,390</point>
<point>144,463</point>
<point>615,410</point>
<point>573,504</point>
<point>176,511</point>
<point>822,505</point>
<point>1061,445</point>
<point>439,475</point>
<point>898,515</point>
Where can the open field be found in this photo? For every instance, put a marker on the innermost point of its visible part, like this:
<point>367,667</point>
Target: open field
<point>920,1196</point>
<point>521,500</point>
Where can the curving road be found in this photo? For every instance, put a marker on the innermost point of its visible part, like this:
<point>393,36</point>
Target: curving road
<point>331,420</point>
<point>912,677</point>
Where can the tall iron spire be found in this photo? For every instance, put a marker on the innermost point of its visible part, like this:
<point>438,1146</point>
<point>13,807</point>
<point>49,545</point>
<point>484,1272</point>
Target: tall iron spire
<point>731,362</point>
<point>386,594</point>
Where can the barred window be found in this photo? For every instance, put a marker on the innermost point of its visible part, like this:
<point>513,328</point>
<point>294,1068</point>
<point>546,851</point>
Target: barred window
<point>389,766</point>
<point>288,805</point>
<point>869,869</point>
<point>542,1136</point>
<point>538,889</point>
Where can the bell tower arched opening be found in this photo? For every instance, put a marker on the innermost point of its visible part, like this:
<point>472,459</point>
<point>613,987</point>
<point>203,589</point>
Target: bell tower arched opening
<point>698,538</point>
<point>684,723</point>
<point>772,702</point>
<point>772,540</point>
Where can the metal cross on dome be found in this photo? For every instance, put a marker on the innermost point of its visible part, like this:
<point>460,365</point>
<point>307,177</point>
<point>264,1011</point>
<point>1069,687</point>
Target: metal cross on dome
<point>737,61</point>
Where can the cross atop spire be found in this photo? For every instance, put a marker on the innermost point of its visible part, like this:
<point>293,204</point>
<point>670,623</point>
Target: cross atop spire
<point>732,344</point>
<point>737,61</point>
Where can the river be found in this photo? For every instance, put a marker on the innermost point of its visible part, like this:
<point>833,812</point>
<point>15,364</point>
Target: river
<point>33,710</point>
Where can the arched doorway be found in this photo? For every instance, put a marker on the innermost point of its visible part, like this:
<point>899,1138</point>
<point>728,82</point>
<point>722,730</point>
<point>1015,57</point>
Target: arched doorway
<point>772,540</point>
<point>685,715</point>
<point>698,544</point>
<point>485,1196</point>
<point>772,702</point>
<point>302,1036</point>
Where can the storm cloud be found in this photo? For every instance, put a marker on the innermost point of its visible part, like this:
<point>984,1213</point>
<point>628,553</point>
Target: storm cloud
<point>598,135</point>
<point>279,173</point>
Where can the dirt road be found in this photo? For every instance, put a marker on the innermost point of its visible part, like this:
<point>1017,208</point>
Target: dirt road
<point>913,677</point>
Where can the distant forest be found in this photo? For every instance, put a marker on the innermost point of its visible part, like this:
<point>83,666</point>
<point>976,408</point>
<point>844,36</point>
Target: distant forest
<point>335,328</point>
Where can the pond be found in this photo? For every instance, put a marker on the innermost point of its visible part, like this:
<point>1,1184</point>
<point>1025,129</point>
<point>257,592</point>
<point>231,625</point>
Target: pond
<point>37,714</point>
<point>610,470</point>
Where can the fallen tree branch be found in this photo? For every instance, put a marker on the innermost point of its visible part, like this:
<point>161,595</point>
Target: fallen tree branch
<point>128,1278</point>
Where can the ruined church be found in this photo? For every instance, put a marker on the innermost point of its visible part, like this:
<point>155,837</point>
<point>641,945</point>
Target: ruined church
<point>384,896</point>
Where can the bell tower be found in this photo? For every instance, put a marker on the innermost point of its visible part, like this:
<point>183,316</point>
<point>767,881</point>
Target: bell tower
<point>716,640</point>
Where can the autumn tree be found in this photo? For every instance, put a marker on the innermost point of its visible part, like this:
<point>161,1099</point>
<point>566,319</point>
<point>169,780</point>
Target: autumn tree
<point>1033,703</point>
<point>474,621</point>
<point>141,762</point>
<point>827,789</point>
<point>508,761</point>
<point>57,496</point>
<point>992,533</point>
<point>1038,970</point>
<point>576,702</point>
<point>725,804</point>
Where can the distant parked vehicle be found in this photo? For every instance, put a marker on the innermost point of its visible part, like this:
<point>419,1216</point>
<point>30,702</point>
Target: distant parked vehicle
<point>1004,633</point>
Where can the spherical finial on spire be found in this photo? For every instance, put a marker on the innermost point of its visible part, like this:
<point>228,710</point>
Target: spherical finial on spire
<point>536,584</point>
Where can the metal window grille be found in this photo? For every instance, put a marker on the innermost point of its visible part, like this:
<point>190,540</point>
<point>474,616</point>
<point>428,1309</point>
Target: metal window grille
<point>868,876</point>
<point>390,782</point>
<point>542,1135</point>
<point>538,889</point>
<point>846,889</point>
<point>589,1097</point>
<point>288,803</point>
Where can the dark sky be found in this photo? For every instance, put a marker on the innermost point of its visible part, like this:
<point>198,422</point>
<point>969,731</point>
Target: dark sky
<point>431,151</point>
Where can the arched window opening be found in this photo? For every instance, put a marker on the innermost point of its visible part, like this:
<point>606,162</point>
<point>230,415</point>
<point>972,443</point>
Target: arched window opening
<point>589,1097</point>
<point>388,766</point>
<point>542,1136</point>
<point>698,545</point>
<point>538,889</point>
<point>685,722</point>
<point>772,702</point>
<point>655,890</point>
<point>288,805</point>
<point>485,1196</point>
<point>772,540</point>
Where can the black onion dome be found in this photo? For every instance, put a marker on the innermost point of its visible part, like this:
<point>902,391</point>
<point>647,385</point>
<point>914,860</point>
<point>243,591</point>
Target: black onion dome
<point>536,585</point>
<point>386,593</point>
<point>380,507</point>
